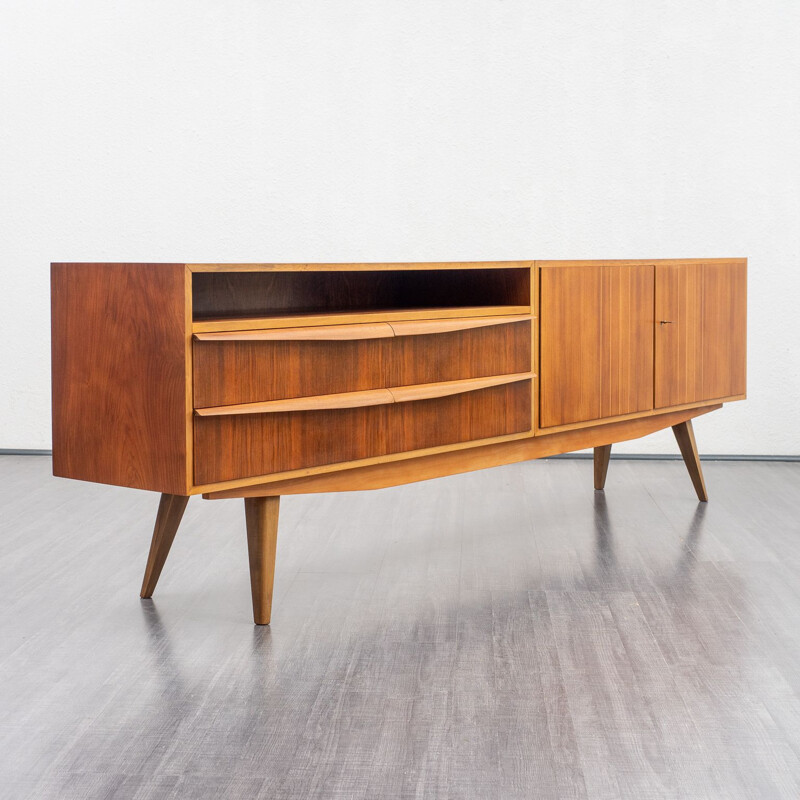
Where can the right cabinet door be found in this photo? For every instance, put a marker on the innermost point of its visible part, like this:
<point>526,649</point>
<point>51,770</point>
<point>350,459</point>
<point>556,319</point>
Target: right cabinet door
<point>700,332</point>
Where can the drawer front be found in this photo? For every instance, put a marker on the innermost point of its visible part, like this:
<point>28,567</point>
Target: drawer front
<point>473,353</point>
<point>228,372</point>
<point>242,371</point>
<point>248,445</point>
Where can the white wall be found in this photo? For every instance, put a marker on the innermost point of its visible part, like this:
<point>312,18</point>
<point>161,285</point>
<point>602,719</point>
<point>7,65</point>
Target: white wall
<point>339,130</point>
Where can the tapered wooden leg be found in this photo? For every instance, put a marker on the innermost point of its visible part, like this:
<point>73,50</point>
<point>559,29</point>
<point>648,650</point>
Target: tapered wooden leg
<point>170,513</point>
<point>685,436</point>
<point>261,515</point>
<point>601,457</point>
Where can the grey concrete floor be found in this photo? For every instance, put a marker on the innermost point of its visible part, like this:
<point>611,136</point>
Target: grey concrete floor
<point>501,634</point>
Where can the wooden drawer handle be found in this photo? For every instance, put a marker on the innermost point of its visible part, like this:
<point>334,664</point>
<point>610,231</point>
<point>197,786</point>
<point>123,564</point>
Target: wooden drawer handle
<point>369,397</point>
<point>419,327</point>
<point>324,333</point>
<point>363,330</point>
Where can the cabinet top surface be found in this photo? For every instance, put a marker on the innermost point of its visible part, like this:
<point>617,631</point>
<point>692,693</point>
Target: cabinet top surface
<point>405,265</point>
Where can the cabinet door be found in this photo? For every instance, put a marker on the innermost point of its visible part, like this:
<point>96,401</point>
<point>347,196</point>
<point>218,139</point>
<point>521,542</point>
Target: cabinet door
<point>700,332</point>
<point>596,356</point>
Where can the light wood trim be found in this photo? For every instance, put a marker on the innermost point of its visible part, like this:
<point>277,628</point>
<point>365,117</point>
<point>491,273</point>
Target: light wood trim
<point>359,267</point>
<point>426,391</point>
<point>318,402</point>
<point>369,397</point>
<point>422,467</point>
<point>364,330</point>
<point>622,418</point>
<point>404,455</point>
<point>309,320</point>
<point>623,262</point>
<point>424,327</point>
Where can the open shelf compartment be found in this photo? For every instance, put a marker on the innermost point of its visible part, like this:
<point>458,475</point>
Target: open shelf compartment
<point>226,299</point>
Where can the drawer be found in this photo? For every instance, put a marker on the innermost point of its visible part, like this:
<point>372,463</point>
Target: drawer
<point>234,446</point>
<point>250,371</point>
<point>260,366</point>
<point>414,356</point>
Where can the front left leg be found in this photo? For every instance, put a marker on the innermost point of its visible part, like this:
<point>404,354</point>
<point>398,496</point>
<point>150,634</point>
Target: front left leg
<point>261,516</point>
<point>170,514</point>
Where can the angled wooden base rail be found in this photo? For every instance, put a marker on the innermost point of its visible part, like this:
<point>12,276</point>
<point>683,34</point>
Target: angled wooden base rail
<point>257,380</point>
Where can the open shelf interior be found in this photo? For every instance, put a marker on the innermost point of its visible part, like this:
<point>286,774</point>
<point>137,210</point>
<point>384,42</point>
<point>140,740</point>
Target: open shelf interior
<point>220,296</point>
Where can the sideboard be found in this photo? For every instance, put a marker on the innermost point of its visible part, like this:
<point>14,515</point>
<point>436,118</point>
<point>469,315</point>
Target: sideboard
<point>259,380</point>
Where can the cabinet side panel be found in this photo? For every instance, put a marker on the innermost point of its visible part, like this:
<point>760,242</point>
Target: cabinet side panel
<point>570,349</point>
<point>679,364</point>
<point>119,374</point>
<point>627,374</point>
<point>724,329</point>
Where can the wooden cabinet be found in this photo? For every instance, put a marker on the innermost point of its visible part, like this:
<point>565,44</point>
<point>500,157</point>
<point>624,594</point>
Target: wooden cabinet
<point>630,338</point>
<point>256,380</point>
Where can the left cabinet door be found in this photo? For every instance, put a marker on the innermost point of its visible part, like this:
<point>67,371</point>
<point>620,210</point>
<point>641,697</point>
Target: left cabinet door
<point>596,329</point>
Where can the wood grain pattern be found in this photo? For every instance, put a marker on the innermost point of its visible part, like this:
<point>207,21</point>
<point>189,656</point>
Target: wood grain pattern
<point>378,266</point>
<point>236,373</point>
<point>678,334</point>
<point>325,333</point>
<point>472,353</point>
<point>571,345</point>
<point>316,402</point>
<point>478,414</point>
<point>249,294</point>
<point>362,330</point>
<point>724,329</point>
<point>239,324</point>
<point>701,348</point>
<point>684,434</point>
<point>120,428</point>
<point>596,342</point>
<point>427,326</point>
<point>232,447</point>
<point>324,469</point>
<point>119,374</point>
<point>168,519</point>
<point>627,340</point>
<point>622,262</point>
<point>427,391</point>
<point>261,516</point>
<point>635,415</point>
<point>602,455</point>
<point>371,397</point>
<point>228,373</point>
<point>482,456</point>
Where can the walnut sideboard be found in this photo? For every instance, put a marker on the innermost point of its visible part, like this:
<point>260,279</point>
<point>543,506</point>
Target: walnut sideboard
<point>257,380</point>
